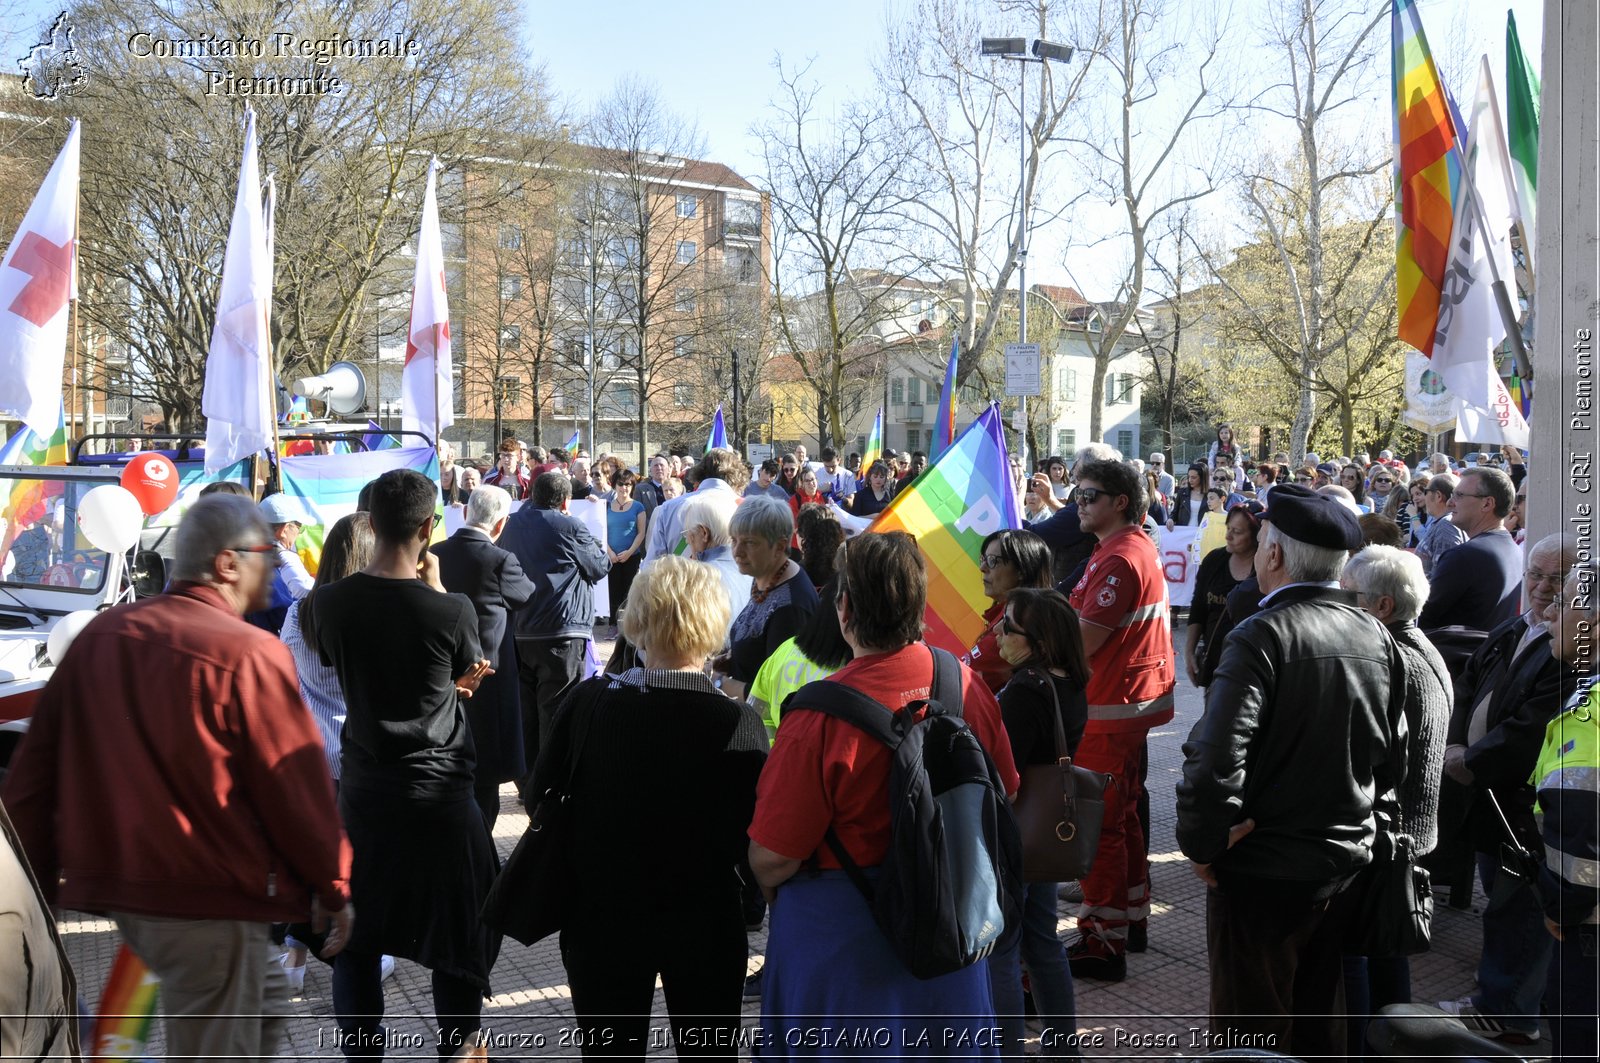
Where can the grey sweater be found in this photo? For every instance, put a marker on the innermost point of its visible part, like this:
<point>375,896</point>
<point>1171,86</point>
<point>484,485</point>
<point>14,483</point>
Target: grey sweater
<point>1427,708</point>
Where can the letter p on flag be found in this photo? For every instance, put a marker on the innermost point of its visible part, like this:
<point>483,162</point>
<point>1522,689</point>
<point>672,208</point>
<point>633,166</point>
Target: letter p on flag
<point>38,279</point>
<point>983,517</point>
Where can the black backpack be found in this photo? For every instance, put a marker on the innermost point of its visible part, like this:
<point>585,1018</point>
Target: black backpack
<point>952,878</point>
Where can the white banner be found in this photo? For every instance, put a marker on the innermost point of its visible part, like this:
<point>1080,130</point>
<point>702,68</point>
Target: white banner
<point>1430,404</point>
<point>1179,564</point>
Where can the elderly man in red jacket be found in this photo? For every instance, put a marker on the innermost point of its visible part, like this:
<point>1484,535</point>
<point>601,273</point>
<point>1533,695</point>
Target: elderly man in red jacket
<point>173,778</point>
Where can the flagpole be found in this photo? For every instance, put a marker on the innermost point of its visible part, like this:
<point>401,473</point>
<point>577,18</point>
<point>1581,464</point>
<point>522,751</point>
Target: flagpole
<point>77,210</point>
<point>272,284</point>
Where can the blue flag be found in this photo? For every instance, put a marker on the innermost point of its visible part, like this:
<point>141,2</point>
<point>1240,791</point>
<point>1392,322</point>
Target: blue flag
<point>719,432</point>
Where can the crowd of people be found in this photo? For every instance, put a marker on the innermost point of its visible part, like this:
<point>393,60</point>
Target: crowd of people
<point>1376,644</point>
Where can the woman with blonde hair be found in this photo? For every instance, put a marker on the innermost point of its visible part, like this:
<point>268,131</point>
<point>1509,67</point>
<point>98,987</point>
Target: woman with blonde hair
<point>660,771</point>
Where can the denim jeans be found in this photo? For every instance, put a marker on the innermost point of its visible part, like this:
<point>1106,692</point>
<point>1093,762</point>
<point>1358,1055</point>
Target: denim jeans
<point>1516,951</point>
<point>1039,946</point>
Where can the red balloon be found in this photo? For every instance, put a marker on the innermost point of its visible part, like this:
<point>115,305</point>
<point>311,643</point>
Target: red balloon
<point>153,480</point>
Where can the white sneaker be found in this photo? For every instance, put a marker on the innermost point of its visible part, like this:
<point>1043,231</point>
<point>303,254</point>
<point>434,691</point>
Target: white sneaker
<point>386,969</point>
<point>296,976</point>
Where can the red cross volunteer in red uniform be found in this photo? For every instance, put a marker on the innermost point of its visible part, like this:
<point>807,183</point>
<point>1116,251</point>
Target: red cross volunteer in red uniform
<point>1123,608</point>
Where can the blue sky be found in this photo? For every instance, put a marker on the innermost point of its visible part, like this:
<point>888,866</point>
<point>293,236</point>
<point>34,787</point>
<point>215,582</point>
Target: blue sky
<point>711,61</point>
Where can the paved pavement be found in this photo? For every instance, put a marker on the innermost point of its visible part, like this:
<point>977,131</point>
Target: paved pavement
<point>1152,1014</point>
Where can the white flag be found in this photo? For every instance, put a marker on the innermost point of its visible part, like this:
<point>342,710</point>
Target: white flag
<point>238,400</point>
<point>426,403</point>
<point>1470,325</point>
<point>38,279</point>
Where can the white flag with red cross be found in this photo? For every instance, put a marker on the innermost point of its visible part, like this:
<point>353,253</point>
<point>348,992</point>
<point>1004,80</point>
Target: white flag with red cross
<point>425,383</point>
<point>38,280</point>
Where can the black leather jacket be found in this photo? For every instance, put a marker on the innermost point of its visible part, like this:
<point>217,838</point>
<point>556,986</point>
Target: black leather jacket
<point>1303,712</point>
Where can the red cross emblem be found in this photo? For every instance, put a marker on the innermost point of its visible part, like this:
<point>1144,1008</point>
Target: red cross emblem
<point>49,268</point>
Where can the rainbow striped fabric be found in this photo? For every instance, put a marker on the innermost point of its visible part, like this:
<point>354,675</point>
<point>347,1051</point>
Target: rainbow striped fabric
<point>1426,173</point>
<point>572,445</point>
<point>329,485</point>
<point>963,497</point>
<point>127,1009</point>
<point>29,499</point>
<point>874,449</point>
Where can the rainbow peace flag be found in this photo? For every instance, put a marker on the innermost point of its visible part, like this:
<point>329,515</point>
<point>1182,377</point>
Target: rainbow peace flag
<point>127,1008</point>
<point>1426,171</point>
<point>329,485</point>
<point>944,420</point>
<point>29,499</point>
<point>874,449</point>
<point>963,497</point>
<point>572,444</point>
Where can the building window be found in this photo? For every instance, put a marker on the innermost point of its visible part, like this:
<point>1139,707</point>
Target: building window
<point>511,237</point>
<point>574,250</point>
<point>743,266</point>
<point>688,206</point>
<point>1125,441</point>
<point>1119,388</point>
<point>573,350</point>
<point>510,287</point>
<point>1066,441</point>
<point>511,187</point>
<point>915,395</point>
<point>1067,383</point>
<point>743,216</point>
<point>685,302</point>
<point>686,252</point>
<point>622,251</point>
<point>683,396</point>
<point>681,346</point>
<point>511,338</point>
<point>913,438</point>
<point>897,391</point>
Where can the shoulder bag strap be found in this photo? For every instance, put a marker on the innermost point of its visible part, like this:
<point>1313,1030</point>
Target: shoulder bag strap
<point>946,689</point>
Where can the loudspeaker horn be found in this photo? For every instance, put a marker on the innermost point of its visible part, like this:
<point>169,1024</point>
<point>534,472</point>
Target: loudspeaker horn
<point>343,387</point>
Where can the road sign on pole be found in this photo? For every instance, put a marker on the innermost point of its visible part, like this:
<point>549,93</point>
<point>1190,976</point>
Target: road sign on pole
<point>1022,369</point>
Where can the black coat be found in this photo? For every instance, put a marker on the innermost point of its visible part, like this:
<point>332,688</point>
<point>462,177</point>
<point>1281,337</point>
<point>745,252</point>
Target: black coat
<point>1527,695</point>
<point>470,564</point>
<point>1308,675</point>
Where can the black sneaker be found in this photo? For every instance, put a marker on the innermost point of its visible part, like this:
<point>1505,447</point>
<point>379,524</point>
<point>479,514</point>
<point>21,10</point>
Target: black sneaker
<point>1138,936</point>
<point>1093,963</point>
<point>752,986</point>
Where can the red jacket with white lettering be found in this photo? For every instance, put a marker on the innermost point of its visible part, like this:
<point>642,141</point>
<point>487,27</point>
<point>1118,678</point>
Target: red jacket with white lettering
<point>171,769</point>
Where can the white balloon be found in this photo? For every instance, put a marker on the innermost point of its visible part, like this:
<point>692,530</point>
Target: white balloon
<point>111,518</point>
<point>65,631</point>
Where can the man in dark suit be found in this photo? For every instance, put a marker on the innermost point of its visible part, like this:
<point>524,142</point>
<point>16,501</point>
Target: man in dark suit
<point>1509,691</point>
<point>1479,583</point>
<point>564,561</point>
<point>470,564</point>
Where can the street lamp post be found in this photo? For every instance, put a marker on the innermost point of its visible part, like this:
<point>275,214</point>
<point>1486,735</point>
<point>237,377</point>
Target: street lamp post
<point>1041,51</point>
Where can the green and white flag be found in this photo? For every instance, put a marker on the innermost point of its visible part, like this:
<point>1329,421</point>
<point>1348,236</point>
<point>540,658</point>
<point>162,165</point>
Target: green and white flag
<point>1522,129</point>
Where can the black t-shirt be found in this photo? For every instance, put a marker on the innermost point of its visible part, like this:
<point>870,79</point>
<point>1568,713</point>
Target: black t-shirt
<point>1025,707</point>
<point>397,646</point>
<point>1212,585</point>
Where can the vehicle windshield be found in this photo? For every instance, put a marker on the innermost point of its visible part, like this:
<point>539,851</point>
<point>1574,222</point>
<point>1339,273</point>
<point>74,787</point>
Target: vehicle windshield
<point>40,543</point>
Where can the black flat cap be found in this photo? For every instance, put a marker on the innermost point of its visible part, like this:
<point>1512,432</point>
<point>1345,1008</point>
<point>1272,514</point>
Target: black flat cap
<point>1316,520</point>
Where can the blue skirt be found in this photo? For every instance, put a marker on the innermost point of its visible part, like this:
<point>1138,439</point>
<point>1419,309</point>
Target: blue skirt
<point>833,987</point>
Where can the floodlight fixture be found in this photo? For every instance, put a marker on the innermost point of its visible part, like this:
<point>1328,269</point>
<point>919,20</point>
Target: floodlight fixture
<point>1049,50</point>
<point>1017,46</point>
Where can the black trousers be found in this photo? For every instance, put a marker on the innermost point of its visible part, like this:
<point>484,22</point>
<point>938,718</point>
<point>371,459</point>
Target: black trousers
<point>547,670</point>
<point>1277,973</point>
<point>612,971</point>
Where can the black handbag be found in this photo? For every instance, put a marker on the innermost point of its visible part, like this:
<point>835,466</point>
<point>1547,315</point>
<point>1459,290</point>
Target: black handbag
<point>1059,810</point>
<point>531,896</point>
<point>1389,907</point>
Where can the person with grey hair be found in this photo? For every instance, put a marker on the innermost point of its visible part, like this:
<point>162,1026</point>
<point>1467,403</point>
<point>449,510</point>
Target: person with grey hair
<point>1507,693</point>
<point>471,564</point>
<point>1390,584</point>
<point>1276,827</point>
<point>173,778</point>
<point>720,470</point>
<point>553,628</point>
<point>705,528</point>
<point>1069,544</point>
<point>781,597</point>
<point>1479,583</point>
